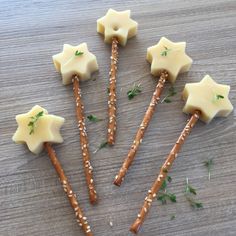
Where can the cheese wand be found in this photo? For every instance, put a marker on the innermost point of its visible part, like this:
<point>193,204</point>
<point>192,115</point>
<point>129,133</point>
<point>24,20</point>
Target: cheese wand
<point>76,64</point>
<point>117,27</point>
<point>39,130</point>
<point>167,59</point>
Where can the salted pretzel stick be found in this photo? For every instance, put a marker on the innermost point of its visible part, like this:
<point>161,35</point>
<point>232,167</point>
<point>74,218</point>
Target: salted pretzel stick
<point>81,219</point>
<point>152,193</point>
<point>84,141</point>
<point>142,128</point>
<point>111,131</point>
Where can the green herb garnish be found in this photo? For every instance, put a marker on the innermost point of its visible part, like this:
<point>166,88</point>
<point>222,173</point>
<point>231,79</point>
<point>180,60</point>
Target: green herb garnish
<point>171,93</point>
<point>134,91</point>
<point>78,53</point>
<point>32,123</point>
<point>164,195</point>
<point>194,204</point>
<point>209,163</point>
<point>102,145</point>
<point>172,217</point>
<point>217,97</point>
<point>189,191</point>
<point>164,184</point>
<point>164,53</point>
<point>93,118</point>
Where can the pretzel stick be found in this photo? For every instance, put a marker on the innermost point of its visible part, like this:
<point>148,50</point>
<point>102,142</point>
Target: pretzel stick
<point>84,141</point>
<point>152,193</point>
<point>81,219</point>
<point>111,131</point>
<point>142,128</point>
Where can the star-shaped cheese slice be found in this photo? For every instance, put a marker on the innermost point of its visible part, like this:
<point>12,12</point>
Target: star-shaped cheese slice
<point>75,60</point>
<point>47,129</point>
<point>210,98</point>
<point>169,56</point>
<point>117,24</point>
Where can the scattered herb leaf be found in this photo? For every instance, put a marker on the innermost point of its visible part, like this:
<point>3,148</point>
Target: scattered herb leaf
<point>102,145</point>
<point>164,52</point>
<point>78,53</point>
<point>169,179</point>
<point>189,191</point>
<point>34,119</point>
<point>167,100</point>
<point>93,118</point>
<point>172,217</point>
<point>164,185</point>
<point>164,196</point>
<point>209,163</point>
<point>171,93</point>
<point>134,91</point>
<point>194,204</point>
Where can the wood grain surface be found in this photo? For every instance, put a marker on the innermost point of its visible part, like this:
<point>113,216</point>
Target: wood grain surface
<point>32,201</point>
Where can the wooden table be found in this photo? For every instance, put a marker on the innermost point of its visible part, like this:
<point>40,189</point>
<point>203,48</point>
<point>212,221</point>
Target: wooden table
<point>32,201</point>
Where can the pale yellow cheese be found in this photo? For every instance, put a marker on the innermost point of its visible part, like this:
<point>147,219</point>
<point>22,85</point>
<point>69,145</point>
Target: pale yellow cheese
<point>169,56</point>
<point>47,129</point>
<point>68,64</point>
<point>202,96</point>
<point>117,24</point>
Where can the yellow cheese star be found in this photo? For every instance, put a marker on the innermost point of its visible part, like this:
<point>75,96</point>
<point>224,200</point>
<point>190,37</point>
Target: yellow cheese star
<point>117,24</point>
<point>169,56</point>
<point>45,128</point>
<point>75,60</point>
<point>208,97</point>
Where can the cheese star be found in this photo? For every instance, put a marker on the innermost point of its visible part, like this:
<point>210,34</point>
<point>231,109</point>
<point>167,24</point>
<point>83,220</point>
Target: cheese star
<point>208,97</point>
<point>75,60</point>
<point>169,56</point>
<point>46,129</point>
<point>117,24</point>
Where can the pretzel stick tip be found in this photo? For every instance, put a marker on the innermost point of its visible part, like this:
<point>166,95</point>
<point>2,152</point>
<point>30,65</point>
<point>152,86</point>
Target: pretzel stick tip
<point>142,128</point>
<point>111,130</point>
<point>84,141</point>
<point>152,193</point>
<point>80,218</point>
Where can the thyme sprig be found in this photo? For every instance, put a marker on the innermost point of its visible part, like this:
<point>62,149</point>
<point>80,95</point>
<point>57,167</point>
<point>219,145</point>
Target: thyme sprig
<point>165,195</point>
<point>134,91</point>
<point>171,92</point>
<point>208,164</point>
<point>33,121</point>
<point>93,118</point>
<point>165,52</point>
<point>102,145</point>
<point>78,53</point>
<point>189,192</point>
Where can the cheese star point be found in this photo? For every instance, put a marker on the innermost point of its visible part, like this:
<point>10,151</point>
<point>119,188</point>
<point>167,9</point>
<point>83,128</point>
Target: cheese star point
<point>208,97</point>
<point>117,24</point>
<point>46,129</point>
<point>70,64</point>
<point>169,56</point>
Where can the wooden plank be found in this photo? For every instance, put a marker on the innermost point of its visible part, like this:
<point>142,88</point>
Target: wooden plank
<point>31,199</point>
